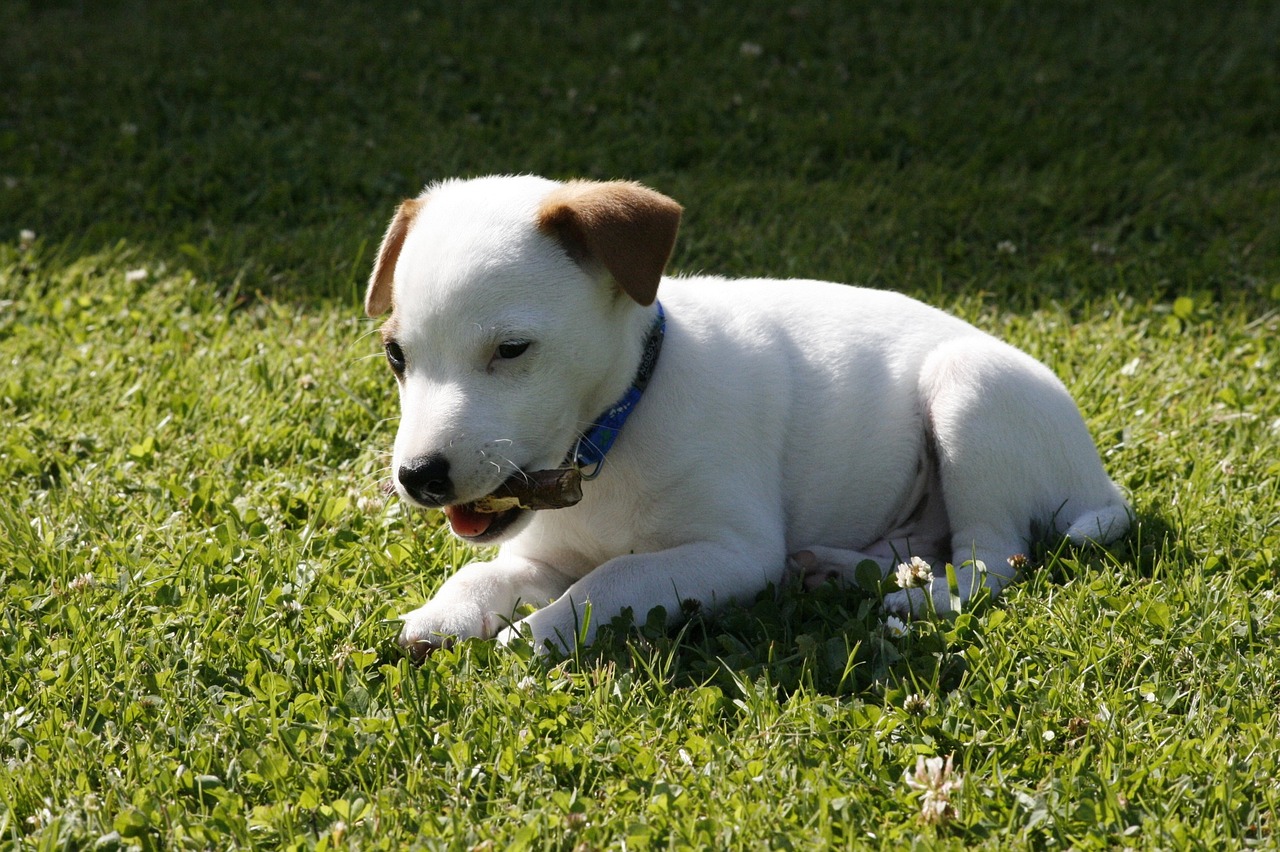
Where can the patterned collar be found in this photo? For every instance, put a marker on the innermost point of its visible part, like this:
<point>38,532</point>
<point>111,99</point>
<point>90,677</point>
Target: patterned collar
<point>588,454</point>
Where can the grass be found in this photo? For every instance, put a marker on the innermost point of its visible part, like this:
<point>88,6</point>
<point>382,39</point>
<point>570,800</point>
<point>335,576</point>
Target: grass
<point>199,572</point>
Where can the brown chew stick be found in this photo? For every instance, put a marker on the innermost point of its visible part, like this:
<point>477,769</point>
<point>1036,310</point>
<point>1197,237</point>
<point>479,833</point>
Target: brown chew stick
<point>539,489</point>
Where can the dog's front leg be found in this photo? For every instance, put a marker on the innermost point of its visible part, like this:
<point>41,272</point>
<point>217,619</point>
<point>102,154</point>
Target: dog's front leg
<point>478,601</point>
<point>704,574</point>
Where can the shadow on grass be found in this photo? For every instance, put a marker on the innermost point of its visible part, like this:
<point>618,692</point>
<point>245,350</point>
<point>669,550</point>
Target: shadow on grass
<point>834,640</point>
<point>830,641</point>
<point>269,143</point>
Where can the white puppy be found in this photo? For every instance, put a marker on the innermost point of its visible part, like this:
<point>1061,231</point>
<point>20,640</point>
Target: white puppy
<point>826,423</point>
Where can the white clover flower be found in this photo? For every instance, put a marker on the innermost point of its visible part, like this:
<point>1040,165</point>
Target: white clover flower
<point>917,704</point>
<point>83,582</point>
<point>17,717</point>
<point>914,573</point>
<point>934,777</point>
<point>42,817</point>
<point>366,505</point>
<point>1006,247</point>
<point>135,275</point>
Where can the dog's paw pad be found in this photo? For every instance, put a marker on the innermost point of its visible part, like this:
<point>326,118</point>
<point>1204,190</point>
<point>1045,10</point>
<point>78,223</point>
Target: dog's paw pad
<point>812,569</point>
<point>803,560</point>
<point>804,568</point>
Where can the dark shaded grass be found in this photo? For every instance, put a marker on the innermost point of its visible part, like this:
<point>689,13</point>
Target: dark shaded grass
<point>1115,146</point>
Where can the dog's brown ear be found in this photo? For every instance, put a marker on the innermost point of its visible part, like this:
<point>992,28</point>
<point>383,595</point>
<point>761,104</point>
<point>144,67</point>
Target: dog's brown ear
<point>377,299</point>
<point>627,228</point>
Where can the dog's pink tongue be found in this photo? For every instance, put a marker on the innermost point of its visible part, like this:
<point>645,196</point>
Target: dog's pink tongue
<point>466,521</point>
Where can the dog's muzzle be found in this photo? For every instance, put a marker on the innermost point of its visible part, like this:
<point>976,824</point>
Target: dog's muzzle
<point>427,482</point>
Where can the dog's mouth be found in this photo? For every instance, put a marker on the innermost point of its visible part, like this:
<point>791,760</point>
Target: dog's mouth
<point>487,518</point>
<point>477,523</point>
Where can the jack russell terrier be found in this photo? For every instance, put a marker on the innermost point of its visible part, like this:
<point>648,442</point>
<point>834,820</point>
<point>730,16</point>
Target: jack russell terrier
<point>634,441</point>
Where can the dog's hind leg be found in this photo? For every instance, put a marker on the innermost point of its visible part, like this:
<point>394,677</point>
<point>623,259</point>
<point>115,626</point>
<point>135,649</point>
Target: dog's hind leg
<point>1014,455</point>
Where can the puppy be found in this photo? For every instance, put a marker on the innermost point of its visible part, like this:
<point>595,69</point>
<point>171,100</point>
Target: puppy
<point>720,431</point>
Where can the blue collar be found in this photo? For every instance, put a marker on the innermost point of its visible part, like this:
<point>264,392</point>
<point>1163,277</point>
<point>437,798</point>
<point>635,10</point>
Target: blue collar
<point>590,450</point>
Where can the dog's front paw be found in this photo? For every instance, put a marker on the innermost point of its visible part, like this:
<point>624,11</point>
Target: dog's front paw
<point>546,637</point>
<point>916,603</point>
<point>441,621</point>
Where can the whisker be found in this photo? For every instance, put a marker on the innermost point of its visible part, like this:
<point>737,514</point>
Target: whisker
<point>372,328</point>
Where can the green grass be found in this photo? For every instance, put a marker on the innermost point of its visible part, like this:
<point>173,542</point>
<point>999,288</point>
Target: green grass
<point>198,571</point>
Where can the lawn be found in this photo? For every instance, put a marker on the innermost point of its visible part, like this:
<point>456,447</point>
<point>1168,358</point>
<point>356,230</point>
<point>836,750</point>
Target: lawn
<point>200,573</point>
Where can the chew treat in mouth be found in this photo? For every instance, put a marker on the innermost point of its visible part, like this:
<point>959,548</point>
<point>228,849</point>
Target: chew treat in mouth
<point>540,489</point>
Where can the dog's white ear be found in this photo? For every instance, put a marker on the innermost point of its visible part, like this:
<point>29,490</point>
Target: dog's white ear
<point>627,228</point>
<point>377,299</point>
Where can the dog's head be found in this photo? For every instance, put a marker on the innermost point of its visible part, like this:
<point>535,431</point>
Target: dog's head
<point>518,311</point>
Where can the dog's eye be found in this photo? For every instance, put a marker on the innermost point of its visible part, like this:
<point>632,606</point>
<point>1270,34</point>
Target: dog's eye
<point>512,349</point>
<point>395,357</point>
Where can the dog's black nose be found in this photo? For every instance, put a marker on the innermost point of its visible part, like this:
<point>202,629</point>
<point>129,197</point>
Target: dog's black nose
<point>426,479</point>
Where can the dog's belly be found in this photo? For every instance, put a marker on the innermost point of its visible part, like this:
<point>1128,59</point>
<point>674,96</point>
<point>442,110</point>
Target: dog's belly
<point>853,502</point>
